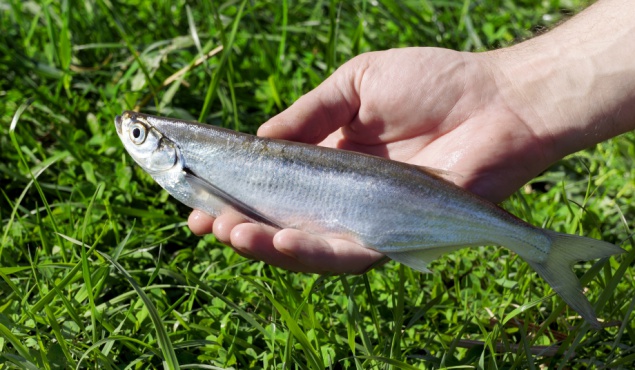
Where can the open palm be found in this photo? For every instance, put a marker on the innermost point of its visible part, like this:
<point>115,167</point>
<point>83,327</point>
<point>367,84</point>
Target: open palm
<point>425,106</point>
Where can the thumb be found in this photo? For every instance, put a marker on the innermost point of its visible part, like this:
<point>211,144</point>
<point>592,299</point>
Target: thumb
<point>331,105</point>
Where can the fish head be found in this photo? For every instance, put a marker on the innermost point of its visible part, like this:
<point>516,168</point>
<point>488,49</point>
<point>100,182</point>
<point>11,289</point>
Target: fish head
<point>150,148</point>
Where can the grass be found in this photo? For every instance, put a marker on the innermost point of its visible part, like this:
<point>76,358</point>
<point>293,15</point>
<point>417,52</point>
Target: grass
<point>97,266</point>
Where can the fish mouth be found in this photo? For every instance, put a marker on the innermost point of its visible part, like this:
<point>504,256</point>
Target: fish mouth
<point>118,124</point>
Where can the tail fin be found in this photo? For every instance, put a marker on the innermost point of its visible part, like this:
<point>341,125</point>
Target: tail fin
<point>556,268</point>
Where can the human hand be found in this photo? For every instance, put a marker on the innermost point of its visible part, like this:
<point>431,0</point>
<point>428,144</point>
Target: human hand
<point>497,119</point>
<point>425,106</point>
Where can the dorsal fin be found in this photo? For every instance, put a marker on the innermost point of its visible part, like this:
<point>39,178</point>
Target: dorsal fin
<point>443,174</point>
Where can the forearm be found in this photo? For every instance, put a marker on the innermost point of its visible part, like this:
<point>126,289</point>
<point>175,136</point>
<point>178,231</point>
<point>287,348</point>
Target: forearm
<point>575,85</point>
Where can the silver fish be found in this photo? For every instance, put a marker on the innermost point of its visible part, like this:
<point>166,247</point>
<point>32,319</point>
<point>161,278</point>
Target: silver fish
<point>404,211</point>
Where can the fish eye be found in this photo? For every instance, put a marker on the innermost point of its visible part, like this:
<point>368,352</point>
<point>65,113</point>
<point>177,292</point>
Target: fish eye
<point>137,133</point>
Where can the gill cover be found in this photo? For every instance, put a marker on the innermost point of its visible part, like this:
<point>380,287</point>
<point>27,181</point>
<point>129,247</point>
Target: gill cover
<point>148,146</point>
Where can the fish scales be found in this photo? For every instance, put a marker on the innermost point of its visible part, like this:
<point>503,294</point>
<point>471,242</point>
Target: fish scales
<point>387,204</point>
<point>401,210</point>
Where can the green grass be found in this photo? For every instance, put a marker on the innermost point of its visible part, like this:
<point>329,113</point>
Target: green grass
<point>97,266</point>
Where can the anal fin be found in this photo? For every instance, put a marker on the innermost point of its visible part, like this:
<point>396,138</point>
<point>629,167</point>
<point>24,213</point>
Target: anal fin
<point>419,259</point>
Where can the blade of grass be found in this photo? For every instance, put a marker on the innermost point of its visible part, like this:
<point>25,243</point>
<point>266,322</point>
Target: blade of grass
<point>114,338</point>
<point>16,205</point>
<point>398,315</point>
<point>398,364</point>
<point>16,343</point>
<point>165,344</point>
<point>109,9</point>
<point>227,50</point>
<point>355,326</point>
<point>525,307</point>
<point>315,361</point>
<point>194,34</point>
<point>52,320</point>
<point>20,362</point>
<point>65,52</point>
<point>334,17</point>
<point>86,269</point>
<point>14,141</point>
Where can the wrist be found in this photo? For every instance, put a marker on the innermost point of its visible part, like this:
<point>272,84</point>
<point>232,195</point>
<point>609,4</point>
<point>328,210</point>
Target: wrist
<point>574,86</point>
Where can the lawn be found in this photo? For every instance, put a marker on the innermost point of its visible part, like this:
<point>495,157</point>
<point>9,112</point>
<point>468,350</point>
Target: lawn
<point>99,270</point>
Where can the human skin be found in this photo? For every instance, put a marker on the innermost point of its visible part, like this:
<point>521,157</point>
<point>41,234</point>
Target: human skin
<point>497,119</point>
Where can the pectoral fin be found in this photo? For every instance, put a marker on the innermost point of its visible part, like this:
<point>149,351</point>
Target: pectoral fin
<point>203,185</point>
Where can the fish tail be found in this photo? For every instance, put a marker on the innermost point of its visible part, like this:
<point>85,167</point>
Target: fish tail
<point>555,268</point>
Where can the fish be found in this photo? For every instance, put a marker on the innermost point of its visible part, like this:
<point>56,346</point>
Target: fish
<point>409,213</point>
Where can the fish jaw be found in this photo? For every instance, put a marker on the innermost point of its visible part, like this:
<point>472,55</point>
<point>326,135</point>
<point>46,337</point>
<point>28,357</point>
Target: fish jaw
<point>118,124</point>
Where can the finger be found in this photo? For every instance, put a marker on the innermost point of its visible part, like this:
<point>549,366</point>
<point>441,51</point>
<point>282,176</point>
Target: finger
<point>326,254</point>
<point>256,241</point>
<point>331,105</point>
<point>225,223</point>
<point>200,223</point>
